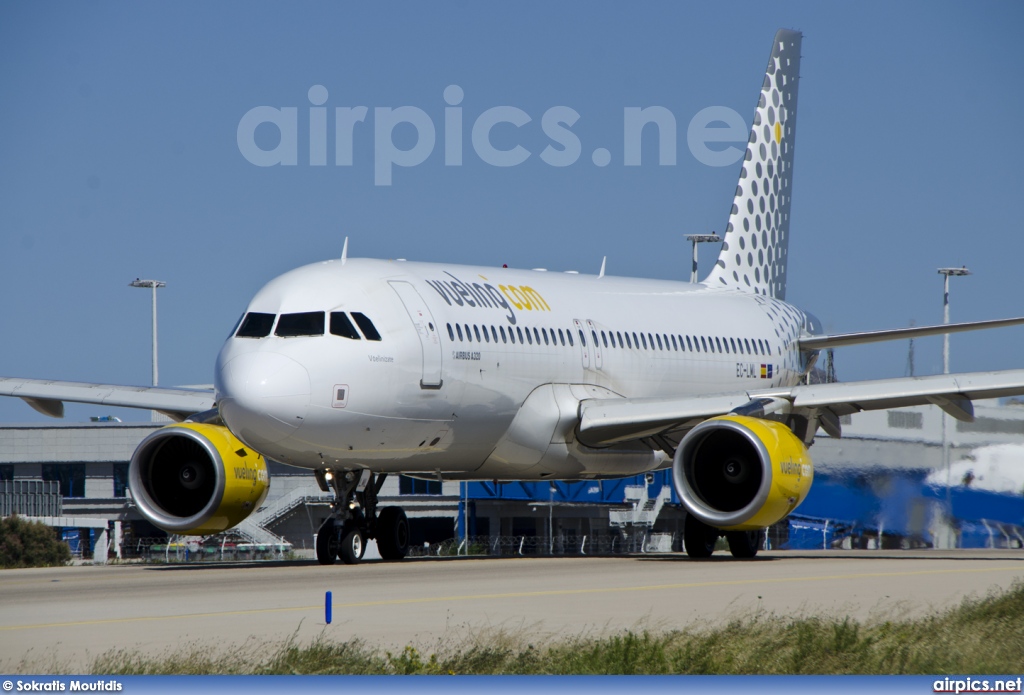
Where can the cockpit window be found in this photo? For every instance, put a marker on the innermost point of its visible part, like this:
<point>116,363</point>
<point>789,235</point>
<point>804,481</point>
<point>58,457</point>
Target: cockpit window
<point>366,326</point>
<point>341,325</point>
<point>256,325</point>
<point>306,323</point>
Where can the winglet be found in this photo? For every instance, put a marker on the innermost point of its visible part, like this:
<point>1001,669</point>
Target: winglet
<point>603,262</point>
<point>344,252</point>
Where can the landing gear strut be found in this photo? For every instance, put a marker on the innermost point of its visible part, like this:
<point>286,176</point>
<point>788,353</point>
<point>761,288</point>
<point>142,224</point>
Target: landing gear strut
<point>354,520</point>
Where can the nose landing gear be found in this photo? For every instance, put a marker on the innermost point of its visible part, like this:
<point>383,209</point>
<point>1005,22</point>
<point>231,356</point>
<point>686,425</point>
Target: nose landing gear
<point>354,520</point>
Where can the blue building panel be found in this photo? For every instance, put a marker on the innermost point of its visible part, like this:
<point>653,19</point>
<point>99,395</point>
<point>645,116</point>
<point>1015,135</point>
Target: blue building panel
<point>581,491</point>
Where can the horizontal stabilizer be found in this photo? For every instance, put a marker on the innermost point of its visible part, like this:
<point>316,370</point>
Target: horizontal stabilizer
<point>823,342</point>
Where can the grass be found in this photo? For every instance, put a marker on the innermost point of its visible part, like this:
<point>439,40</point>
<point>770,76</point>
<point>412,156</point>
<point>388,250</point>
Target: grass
<point>982,636</point>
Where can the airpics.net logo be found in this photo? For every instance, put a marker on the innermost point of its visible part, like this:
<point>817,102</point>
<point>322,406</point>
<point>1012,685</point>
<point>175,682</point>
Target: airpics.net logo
<point>708,135</point>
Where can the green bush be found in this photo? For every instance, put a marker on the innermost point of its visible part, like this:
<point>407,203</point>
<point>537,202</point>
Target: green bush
<point>30,544</point>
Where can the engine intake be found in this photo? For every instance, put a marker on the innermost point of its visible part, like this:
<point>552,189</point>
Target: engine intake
<point>741,473</point>
<point>196,479</point>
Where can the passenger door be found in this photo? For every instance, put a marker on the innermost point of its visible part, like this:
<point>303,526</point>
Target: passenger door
<point>426,329</point>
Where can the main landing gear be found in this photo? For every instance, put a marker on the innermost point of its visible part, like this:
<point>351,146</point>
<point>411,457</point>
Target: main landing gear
<point>700,540</point>
<point>354,520</point>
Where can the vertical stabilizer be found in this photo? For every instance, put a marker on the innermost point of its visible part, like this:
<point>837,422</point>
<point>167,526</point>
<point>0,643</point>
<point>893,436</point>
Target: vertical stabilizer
<point>756,245</point>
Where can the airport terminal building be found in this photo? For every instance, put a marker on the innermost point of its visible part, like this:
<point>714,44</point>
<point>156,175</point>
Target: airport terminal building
<point>881,485</point>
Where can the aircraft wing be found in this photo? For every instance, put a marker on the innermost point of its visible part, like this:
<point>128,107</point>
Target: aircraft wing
<point>48,396</point>
<point>608,421</point>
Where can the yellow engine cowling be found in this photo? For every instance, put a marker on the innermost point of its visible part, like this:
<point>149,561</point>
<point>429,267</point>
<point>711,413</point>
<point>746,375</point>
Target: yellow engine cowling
<point>196,479</point>
<point>740,473</point>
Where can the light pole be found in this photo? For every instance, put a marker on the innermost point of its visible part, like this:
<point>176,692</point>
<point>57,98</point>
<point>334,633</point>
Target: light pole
<point>945,273</point>
<point>699,239</point>
<point>153,284</point>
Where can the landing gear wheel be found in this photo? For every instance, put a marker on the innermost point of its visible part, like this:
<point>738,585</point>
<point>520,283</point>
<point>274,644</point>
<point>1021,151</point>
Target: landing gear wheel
<point>352,546</point>
<point>743,544</point>
<point>699,538</point>
<point>392,533</point>
<point>327,543</point>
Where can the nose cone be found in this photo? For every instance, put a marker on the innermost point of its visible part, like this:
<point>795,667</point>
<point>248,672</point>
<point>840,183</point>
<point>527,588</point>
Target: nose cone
<point>262,396</point>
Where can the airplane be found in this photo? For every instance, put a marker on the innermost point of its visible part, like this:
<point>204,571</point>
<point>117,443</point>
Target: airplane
<point>358,369</point>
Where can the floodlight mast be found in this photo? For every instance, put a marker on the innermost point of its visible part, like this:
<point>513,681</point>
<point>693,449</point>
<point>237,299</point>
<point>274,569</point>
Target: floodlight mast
<point>699,239</point>
<point>946,273</point>
<point>154,285</point>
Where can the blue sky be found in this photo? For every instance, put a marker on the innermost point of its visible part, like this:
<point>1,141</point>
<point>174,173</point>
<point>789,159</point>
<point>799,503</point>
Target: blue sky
<point>120,159</point>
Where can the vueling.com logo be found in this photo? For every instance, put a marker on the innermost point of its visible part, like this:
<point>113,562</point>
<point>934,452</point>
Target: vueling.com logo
<point>487,296</point>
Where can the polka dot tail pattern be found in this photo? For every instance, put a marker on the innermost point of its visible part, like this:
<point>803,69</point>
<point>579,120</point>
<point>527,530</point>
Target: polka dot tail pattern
<point>756,244</point>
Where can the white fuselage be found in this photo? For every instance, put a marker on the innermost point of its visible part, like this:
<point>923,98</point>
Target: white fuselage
<point>478,372</point>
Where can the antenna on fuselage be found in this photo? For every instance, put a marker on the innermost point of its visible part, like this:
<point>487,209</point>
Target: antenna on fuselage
<point>603,262</point>
<point>344,252</point>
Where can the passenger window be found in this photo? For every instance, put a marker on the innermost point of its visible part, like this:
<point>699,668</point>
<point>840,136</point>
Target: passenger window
<point>458,329</point>
<point>594,333</point>
<point>568,335</point>
<point>476,329</point>
<point>536,335</point>
<point>305,324</point>
<point>504,338</point>
<point>733,343</point>
<point>583,339</point>
<point>746,344</point>
<point>487,336</point>
<point>519,332</point>
<point>340,325</point>
<point>366,326</point>
<point>689,345</point>
<point>544,332</point>
<point>659,342</point>
<point>636,341</point>
<point>256,325</point>
<point>619,336</point>
<point>561,337</point>
<point>494,334</point>
<point>604,339</point>
<point>644,338</point>
<point>674,345</point>
<point>718,344</point>
<point>529,338</point>
<point>469,333</point>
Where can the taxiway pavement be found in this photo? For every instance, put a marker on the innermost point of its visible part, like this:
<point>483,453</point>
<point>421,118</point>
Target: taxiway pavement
<point>60,618</point>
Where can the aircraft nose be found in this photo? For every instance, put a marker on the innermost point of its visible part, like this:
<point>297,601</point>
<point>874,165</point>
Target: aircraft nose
<point>263,396</point>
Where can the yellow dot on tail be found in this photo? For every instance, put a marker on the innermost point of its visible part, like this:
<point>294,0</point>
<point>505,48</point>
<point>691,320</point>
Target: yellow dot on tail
<point>778,132</point>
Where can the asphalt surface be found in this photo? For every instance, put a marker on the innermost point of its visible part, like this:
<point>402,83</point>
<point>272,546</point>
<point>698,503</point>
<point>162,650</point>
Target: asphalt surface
<point>60,618</point>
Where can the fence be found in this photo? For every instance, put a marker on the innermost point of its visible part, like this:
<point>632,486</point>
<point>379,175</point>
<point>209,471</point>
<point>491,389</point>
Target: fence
<point>195,550</point>
<point>567,545</point>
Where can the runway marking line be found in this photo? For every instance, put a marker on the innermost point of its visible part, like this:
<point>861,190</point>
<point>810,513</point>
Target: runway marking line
<point>517,594</point>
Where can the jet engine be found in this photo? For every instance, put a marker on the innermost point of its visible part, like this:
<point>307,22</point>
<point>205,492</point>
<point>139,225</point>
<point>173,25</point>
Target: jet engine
<point>741,473</point>
<point>196,479</point>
